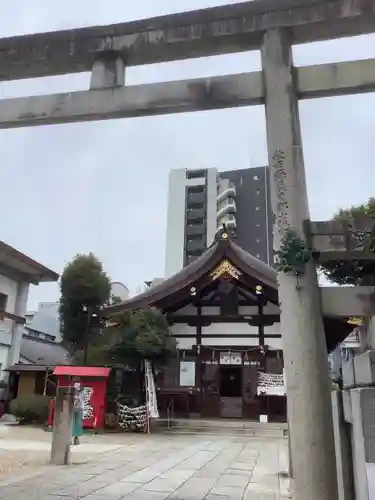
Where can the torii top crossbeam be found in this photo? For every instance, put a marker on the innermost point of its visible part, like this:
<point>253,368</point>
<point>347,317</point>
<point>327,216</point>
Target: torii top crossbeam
<point>198,33</point>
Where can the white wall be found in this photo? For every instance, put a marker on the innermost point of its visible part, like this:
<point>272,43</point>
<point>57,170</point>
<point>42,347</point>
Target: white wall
<point>9,288</point>
<point>182,329</point>
<point>185,343</point>
<point>190,310</point>
<point>11,334</point>
<point>176,215</point>
<point>3,360</point>
<point>228,329</point>
<point>45,320</point>
<point>17,330</point>
<point>224,332</point>
<point>174,260</point>
<point>49,308</point>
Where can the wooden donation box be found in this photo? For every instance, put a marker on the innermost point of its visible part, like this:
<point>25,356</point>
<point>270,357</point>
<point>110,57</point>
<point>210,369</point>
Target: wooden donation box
<point>93,382</point>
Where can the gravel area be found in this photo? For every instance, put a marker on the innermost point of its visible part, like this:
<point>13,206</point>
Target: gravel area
<point>20,463</point>
<point>25,462</point>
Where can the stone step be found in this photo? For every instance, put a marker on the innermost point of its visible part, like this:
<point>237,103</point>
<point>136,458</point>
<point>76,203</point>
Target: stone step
<point>221,426</point>
<point>227,432</point>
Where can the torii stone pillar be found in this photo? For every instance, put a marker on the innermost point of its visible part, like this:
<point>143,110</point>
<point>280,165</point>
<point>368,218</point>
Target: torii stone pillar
<point>108,71</point>
<point>304,346</point>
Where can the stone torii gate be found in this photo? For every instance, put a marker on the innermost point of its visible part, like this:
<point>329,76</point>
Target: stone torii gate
<point>271,26</point>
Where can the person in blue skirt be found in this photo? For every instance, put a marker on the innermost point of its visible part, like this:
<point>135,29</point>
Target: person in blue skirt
<point>77,429</point>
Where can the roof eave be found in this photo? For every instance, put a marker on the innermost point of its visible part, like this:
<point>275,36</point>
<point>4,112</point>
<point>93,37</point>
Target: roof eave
<point>38,273</point>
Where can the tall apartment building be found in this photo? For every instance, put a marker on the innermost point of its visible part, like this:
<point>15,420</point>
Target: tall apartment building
<point>201,201</point>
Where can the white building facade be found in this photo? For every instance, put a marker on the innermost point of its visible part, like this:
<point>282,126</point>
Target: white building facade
<point>17,272</point>
<point>201,201</point>
<point>44,323</point>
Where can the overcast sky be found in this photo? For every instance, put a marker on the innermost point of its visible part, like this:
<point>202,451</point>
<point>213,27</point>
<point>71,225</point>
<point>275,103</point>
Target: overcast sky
<point>81,187</point>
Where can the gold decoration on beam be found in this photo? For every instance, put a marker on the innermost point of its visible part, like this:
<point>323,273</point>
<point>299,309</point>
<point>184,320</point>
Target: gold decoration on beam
<point>356,321</point>
<point>225,268</point>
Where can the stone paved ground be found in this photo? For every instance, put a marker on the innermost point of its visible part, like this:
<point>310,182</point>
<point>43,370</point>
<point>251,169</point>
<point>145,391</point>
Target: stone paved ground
<point>159,467</point>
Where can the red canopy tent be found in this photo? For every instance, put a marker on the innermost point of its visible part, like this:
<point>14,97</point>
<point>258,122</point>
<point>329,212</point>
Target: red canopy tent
<point>93,381</point>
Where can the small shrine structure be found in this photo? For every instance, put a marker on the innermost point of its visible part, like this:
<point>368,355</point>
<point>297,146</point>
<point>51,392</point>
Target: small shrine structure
<point>224,313</point>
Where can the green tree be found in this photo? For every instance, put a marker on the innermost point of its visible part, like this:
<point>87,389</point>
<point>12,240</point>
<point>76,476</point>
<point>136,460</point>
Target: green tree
<point>153,339</point>
<point>141,334</point>
<point>84,287</point>
<point>359,272</point>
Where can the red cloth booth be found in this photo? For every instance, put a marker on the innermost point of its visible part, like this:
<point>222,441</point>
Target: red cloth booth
<point>93,381</point>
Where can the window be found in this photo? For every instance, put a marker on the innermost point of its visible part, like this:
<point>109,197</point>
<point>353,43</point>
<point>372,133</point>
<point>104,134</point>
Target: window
<point>3,301</point>
<point>256,178</point>
<point>196,189</point>
<point>195,218</point>
<point>33,333</point>
<point>257,240</point>
<point>257,207</point>
<point>193,205</point>
<point>257,191</point>
<point>195,237</point>
<point>197,206</point>
<point>198,221</point>
<point>258,256</point>
<point>195,174</point>
<point>225,202</point>
<point>196,252</point>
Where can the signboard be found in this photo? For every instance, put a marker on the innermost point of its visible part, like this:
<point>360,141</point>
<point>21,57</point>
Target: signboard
<point>271,384</point>
<point>230,358</point>
<point>187,373</point>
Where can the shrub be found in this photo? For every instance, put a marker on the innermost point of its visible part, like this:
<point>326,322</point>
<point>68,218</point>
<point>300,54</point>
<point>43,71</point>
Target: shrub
<point>32,408</point>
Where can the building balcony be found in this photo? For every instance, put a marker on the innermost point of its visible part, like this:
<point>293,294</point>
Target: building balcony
<point>5,336</point>
<point>227,208</point>
<point>195,198</point>
<point>190,258</point>
<point>195,246</point>
<point>228,220</point>
<point>195,229</point>
<point>195,213</point>
<point>226,193</point>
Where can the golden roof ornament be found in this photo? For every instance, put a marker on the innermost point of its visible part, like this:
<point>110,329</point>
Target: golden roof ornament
<point>225,269</point>
<point>356,321</point>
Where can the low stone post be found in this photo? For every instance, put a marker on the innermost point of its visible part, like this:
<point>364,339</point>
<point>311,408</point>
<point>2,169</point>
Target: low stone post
<point>290,462</point>
<point>62,426</point>
<point>343,451</point>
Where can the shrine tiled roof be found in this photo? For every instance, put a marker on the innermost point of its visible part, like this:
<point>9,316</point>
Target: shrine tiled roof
<point>197,274</point>
<point>222,248</point>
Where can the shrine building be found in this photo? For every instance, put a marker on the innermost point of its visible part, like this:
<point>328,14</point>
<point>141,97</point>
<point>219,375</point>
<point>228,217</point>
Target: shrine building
<point>223,311</point>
